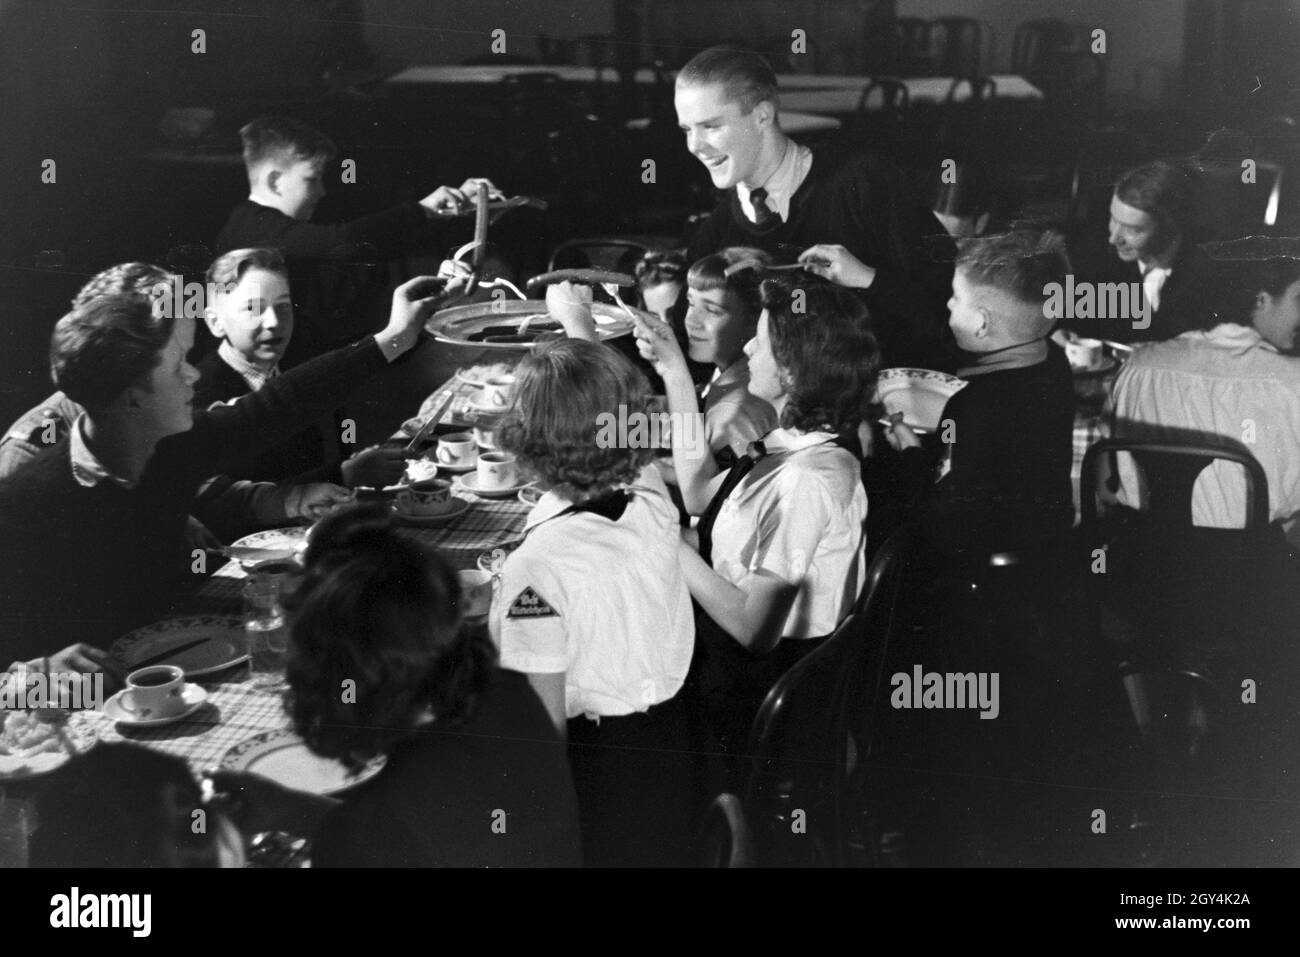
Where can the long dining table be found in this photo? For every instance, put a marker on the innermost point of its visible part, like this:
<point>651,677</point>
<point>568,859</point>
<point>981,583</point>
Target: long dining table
<point>237,709</point>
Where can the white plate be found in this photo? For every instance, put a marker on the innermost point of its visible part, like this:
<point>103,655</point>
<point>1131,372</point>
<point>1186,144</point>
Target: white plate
<point>285,758</point>
<point>227,647</point>
<point>463,375</point>
<point>292,537</point>
<point>476,409</point>
<point>433,521</point>
<point>81,730</point>
<point>920,394</point>
<point>1107,364</point>
<point>470,482</point>
<point>193,695</point>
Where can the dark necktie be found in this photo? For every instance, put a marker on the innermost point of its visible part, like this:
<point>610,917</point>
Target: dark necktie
<point>764,215</point>
<point>743,466</point>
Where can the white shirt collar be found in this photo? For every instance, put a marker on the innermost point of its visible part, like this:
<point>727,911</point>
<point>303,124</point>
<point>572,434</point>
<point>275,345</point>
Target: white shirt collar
<point>792,440</point>
<point>88,470</point>
<point>781,185</point>
<point>547,507</point>
<point>254,375</point>
<point>1232,335</point>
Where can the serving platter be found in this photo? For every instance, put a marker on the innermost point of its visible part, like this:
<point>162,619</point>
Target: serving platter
<point>500,325</point>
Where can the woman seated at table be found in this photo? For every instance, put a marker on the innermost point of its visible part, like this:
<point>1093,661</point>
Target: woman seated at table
<point>381,665</point>
<point>780,558</point>
<point>592,606</point>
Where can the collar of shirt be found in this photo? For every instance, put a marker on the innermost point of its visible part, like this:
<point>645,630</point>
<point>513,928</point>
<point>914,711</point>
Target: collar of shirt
<point>725,377</point>
<point>86,468</point>
<point>792,440</point>
<point>547,507</point>
<point>1238,338</point>
<point>781,185</point>
<point>254,375</point>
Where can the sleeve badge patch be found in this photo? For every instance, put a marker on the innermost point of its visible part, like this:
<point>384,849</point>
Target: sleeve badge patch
<point>529,604</point>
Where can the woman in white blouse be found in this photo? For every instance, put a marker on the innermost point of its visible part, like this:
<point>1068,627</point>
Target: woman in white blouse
<point>782,558</point>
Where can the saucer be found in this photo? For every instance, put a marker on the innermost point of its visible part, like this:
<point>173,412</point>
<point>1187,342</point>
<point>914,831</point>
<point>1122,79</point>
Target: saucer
<point>459,507</point>
<point>193,695</point>
<point>456,469</point>
<point>1107,364</point>
<point>475,408</point>
<point>470,482</point>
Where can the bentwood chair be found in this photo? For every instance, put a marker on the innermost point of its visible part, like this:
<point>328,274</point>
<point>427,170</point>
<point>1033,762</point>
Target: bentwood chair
<point>957,45</point>
<point>726,841</point>
<point>811,794</point>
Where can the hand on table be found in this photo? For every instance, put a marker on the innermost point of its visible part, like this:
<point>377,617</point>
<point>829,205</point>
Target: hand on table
<point>658,346</point>
<point>80,657</point>
<point>837,264</point>
<point>315,500</point>
<point>376,467</point>
<point>198,535</point>
<point>569,304</point>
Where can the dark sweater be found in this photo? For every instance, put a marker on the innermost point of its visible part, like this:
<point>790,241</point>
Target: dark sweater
<point>437,799</point>
<point>303,457</point>
<point>1193,296</point>
<point>335,270</point>
<point>89,564</point>
<point>859,203</point>
<point>1009,482</point>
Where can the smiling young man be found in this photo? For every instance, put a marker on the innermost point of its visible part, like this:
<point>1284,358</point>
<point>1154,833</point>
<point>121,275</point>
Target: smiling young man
<point>91,529</point>
<point>846,215</point>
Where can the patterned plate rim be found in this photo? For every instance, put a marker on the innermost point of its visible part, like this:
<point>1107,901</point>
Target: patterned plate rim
<point>119,648</point>
<point>238,756</point>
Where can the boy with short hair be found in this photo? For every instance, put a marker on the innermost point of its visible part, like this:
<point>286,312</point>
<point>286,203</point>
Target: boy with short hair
<point>1008,433</point>
<point>287,162</point>
<point>251,313</point>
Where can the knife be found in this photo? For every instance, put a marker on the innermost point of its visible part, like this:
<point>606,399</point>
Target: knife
<point>170,652</point>
<point>430,423</point>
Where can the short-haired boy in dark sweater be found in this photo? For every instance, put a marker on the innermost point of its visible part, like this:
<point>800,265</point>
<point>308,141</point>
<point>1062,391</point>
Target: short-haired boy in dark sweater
<point>1005,477</point>
<point>331,265</point>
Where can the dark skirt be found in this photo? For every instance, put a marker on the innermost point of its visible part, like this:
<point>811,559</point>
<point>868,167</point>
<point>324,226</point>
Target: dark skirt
<point>633,775</point>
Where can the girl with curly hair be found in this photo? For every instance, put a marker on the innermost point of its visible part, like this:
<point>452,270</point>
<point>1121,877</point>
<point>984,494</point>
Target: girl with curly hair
<point>381,666</point>
<point>593,606</point>
<point>780,558</point>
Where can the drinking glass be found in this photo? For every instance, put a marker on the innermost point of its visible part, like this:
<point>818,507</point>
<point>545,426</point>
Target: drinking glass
<point>266,630</point>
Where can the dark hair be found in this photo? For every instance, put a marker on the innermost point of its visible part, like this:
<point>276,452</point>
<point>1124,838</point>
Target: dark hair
<point>657,267</point>
<point>284,139</point>
<point>121,805</point>
<point>124,279</point>
<point>745,76</point>
<point>1161,189</point>
<point>1250,266</point>
<point>1020,262</point>
<point>821,339</point>
<point>227,269</point>
<point>738,269</point>
<point>565,390</point>
<point>376,609</point>
<point>106,345</point>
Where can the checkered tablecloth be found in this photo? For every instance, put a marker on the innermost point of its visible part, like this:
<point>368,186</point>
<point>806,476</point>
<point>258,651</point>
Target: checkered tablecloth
<point>234,711</point>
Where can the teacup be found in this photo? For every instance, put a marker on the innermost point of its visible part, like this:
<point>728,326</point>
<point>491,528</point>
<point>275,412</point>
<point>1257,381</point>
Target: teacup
<point>1085,353</point>
<point>432,497</point>
<point>485,431</point>
<point>496,470</point>
<point>457,450</point>
<point>154,692</point>
<point>498,391</point>
<point>475,592</point>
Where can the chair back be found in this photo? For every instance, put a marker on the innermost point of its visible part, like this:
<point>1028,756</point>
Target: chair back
<point>609,253</point>
<point>1171,472</point>
<point>817,727</point>
<point>725,840</point>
